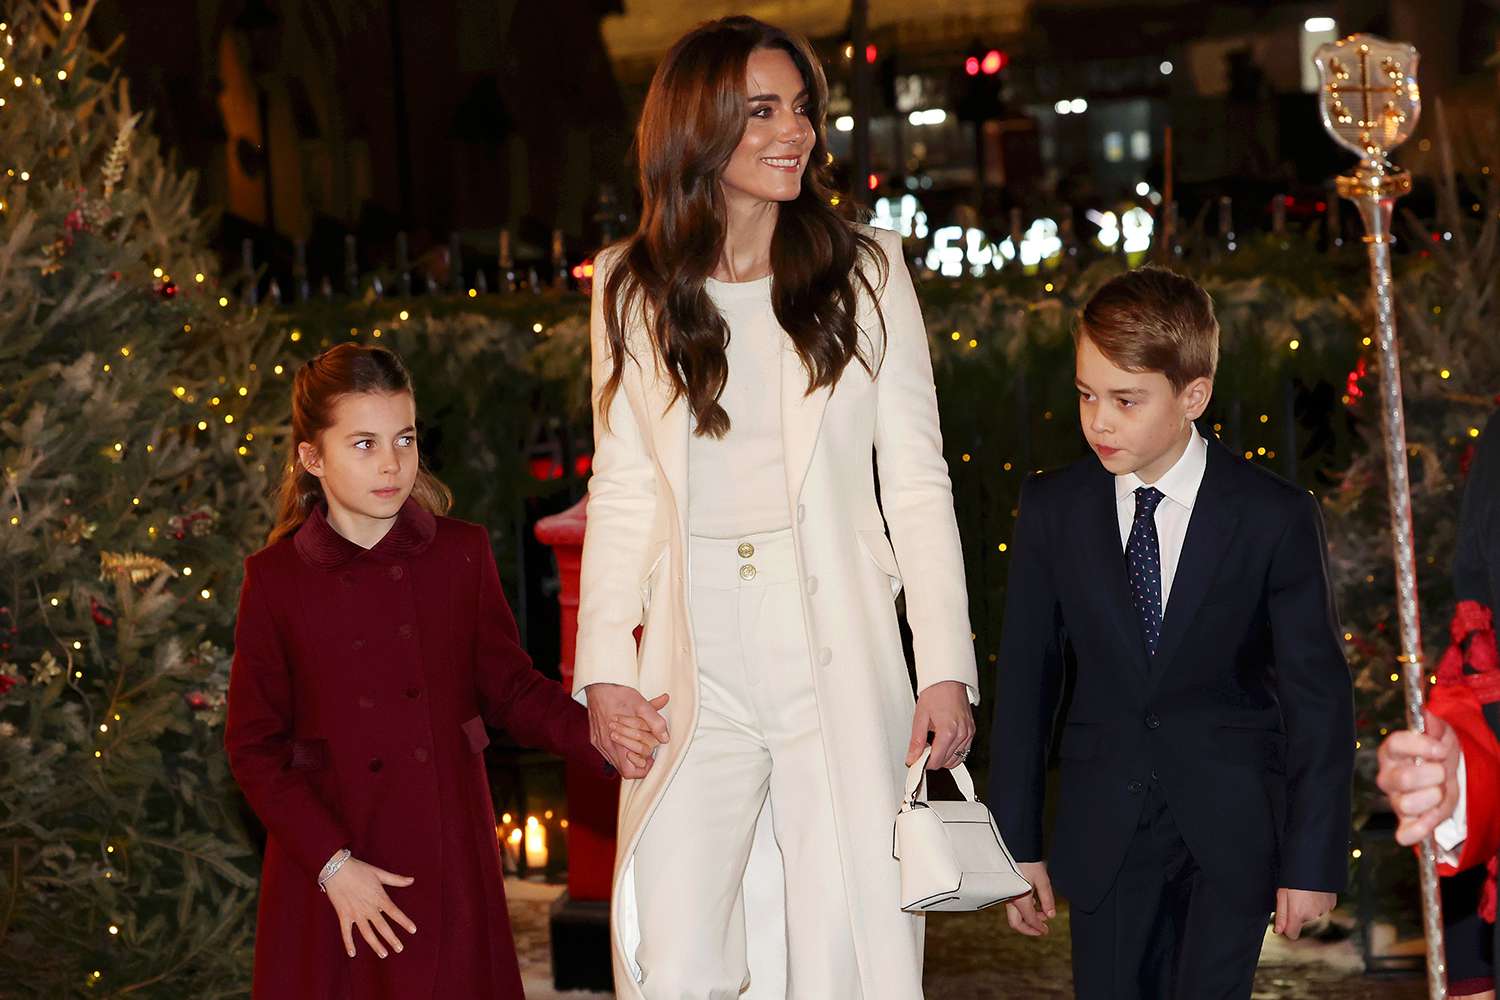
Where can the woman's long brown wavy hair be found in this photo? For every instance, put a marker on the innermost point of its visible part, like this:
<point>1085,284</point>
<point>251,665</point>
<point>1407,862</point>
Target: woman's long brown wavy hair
<point>694,116</point>
<point>316,389</point>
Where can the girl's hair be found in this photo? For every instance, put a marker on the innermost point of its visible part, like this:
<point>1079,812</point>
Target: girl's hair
<point>316,389</point>
<point>693,119</point>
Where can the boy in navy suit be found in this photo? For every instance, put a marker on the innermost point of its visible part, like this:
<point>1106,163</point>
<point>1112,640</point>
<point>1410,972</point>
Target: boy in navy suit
<point>1207,748</point>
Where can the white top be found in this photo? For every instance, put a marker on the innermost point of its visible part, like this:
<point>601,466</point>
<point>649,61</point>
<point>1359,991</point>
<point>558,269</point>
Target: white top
<point>737,483</point>
<point>1180,489</point>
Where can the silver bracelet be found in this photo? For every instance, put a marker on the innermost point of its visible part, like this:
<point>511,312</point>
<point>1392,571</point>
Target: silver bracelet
<point>332,868</point>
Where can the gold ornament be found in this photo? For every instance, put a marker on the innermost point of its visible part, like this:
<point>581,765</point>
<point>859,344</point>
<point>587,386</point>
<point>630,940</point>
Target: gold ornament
<point>138,567</point>
<point>76,529</point>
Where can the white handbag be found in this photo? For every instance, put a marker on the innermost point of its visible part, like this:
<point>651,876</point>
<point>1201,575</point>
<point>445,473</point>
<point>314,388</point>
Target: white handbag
<point>951,854</point>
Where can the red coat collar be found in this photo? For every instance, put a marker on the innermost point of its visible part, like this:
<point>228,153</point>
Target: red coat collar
<point>322,547</point>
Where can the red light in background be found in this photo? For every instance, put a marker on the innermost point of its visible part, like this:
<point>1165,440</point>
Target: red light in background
<point>874,181</point>
<point>1288,201</point>
<point>1321,206</point>
<point>870,53</point>
<point>582,464</point>
<point>971,66</point>
<point>994,62</point>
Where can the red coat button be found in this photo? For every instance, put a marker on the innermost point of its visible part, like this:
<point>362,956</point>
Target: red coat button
<point>420,753</point>
<point>396,572</point>
<point>413,693</point>
<point>365,701</point>
<point>359,644</point>
<point>376,763</point>
<point>405,631</point>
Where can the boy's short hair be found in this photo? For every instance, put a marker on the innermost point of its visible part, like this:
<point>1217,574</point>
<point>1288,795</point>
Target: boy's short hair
<point>1153,319</point>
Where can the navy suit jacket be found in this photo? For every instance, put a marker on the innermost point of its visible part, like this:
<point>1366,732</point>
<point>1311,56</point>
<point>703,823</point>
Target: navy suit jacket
<point>1244,717</point>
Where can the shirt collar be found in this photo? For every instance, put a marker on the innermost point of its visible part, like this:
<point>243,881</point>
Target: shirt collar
<point>1182,481</point>
<point>322,547</point>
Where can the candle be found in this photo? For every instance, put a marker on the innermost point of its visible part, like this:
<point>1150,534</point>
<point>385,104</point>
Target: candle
<point>536,844</point>
<point>513,847</point>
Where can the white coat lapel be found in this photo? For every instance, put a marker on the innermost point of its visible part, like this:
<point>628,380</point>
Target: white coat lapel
<point>801,419</point>
<point>668,428</point>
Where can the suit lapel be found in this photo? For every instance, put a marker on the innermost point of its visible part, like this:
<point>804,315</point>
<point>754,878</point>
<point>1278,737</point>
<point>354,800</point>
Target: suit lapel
<point>1104,562</point>
<point>801,419</point>
<point>1209,531</point>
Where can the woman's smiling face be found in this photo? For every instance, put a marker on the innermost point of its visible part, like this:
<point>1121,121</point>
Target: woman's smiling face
<point>772,155</point>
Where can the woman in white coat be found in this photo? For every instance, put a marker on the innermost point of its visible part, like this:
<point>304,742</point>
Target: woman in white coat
<point>756,358</point>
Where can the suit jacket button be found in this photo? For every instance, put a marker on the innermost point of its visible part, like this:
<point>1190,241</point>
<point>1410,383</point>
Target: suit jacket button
<point>376,763</point>
<point>413,692</point>
<point>405,631</point>
<point>365,701</point>
<point>746,550</point>
<point>1135,788</point>
<point>1152,722</point>
<point>420,755</point>
<point>396,572</point>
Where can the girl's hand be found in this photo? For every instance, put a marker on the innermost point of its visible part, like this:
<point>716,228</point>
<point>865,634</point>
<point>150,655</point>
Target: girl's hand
<point>634,736</point>
<point>357,892</point>
<point>942,710</point>
<point>612,703</point>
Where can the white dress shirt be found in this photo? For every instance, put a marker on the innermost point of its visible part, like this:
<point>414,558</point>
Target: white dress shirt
<point>1448,836</point>
<point>1180,488</point>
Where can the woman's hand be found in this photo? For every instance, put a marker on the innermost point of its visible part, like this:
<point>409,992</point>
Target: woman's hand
<point>613,704</point>
<point>357,892</point>
<point>942,710</point>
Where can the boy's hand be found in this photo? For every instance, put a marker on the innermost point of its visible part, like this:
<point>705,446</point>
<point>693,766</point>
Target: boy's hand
<point>1295,907</point>
<point>357,892</point>
<point>1419,773</point>
<point>942,710</point>
<point>1029,914</point>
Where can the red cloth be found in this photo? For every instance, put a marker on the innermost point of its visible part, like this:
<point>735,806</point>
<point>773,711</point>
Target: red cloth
<point>1468,679</point>
<point>361,688</point>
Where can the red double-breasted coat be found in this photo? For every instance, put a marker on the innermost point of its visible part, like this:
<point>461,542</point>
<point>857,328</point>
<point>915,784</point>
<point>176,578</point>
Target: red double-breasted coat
<point>362,685</point>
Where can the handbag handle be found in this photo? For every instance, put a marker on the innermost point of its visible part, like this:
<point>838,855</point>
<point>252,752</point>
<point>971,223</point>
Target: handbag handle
<point>916,780</point>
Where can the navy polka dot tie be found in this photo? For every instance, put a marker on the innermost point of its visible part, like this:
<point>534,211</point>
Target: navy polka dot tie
<point>1143,563</point>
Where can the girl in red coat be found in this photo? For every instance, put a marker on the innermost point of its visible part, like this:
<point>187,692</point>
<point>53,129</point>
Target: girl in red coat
<point>374,647</point>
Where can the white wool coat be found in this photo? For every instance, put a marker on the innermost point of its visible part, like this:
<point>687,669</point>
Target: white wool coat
<point>854,555</point>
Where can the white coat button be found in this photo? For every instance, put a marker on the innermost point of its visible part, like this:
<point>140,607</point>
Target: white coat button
<point>801,513</point>
<point>747,572</point>
<point>825,656</point>
<point>812,585</point>
<point>746,550</point>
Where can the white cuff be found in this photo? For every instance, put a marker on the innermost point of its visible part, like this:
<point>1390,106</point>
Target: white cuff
<point>1449,835</point>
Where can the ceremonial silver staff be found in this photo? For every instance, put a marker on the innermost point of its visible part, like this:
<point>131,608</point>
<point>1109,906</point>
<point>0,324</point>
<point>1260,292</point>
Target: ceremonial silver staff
<point>1370,104</point>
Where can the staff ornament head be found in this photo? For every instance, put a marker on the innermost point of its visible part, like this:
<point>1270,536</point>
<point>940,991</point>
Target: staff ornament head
<point>1370,103</point>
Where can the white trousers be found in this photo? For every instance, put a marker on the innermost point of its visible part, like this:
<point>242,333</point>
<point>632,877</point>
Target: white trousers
<point>758,745</point>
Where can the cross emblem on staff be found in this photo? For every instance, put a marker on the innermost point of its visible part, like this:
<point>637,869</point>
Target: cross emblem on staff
<point>1390,116</point>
